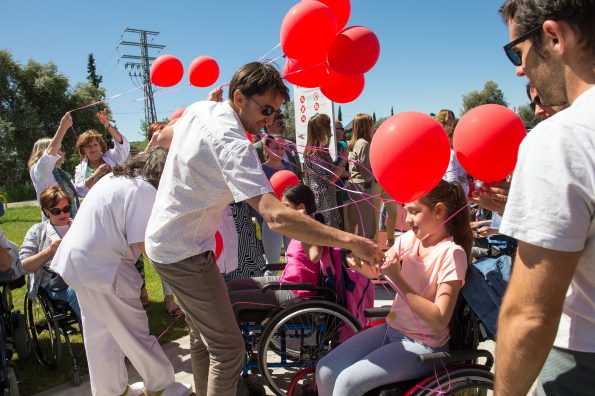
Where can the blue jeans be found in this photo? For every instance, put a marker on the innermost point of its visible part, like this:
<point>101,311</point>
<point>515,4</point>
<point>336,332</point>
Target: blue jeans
<point>67,295</point>
<point>377,356</point>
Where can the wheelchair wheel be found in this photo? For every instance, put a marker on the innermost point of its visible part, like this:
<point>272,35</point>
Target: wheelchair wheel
<point>303,383</point>
<point>459,381</point>
<point>308,330</point>
<point>44,331</point>
<point>11,385</point>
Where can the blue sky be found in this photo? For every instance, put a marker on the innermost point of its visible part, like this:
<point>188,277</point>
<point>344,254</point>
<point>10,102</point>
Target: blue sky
<point>432,52</point>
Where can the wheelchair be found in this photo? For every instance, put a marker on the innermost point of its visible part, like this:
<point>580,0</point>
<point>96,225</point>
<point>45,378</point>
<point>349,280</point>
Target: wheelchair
<point>284,340</point>
<point>49,323</point>
<point>457,372</point>
<point>13,335</point>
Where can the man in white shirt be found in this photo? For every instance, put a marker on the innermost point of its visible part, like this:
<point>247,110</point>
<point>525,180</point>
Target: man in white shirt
<point>210,164</point>
<point>550,300</point>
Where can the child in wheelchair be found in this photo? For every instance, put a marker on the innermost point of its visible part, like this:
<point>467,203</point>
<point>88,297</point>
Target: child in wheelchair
<point>40,245</point>
<point>427,266</point>
<point>303,264</point>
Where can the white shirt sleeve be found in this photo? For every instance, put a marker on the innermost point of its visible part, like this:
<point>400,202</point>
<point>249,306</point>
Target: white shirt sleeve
<point>138,211</point>
<point>41,171</point>
<point>80,179</point>
<point>550,203</point>
<point>119,154</point>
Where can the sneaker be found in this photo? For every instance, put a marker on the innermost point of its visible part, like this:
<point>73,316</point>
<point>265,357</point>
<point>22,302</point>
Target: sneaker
<point>136,389</point>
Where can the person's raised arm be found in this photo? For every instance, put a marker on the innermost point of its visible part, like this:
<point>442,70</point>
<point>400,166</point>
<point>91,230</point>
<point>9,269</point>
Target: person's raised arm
<point>165,137</point>
<point>56,142</point>
<point>530,315</point>
<point>103,117</point>
<point>298,226</point>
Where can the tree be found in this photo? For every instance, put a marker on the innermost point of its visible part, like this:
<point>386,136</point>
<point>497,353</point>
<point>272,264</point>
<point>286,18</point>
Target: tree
<point>374,117</point>
<point>92,76</point>
<point>392,111</point>
<point>340,115</point>
<point>490,94</point>
<point>528,116</point>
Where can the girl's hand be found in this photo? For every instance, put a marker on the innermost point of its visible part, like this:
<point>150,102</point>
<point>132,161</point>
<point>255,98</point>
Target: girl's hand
<point>367,270</point>
<point>392,269</point>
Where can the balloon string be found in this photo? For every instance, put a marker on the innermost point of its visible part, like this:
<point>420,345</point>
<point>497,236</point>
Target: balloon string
<point>268,53</point>
<point>106,99</point>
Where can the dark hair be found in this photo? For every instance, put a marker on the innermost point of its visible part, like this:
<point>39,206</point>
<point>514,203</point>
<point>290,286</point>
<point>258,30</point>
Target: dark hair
<point>452,196</point>
<point>257,78</point>
<point>527,14</point>
<point>148,165</point>
<point>302,194</point>
<point>50,196</point>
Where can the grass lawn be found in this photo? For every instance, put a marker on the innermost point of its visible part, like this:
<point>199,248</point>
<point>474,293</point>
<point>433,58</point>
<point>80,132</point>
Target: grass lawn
<point>33,377</point>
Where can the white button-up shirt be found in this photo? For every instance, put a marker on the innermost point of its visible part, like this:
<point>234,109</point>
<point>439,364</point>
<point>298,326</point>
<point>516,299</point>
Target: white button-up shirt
<point>210,164</point>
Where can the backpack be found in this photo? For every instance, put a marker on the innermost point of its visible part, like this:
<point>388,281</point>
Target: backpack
<point>355,292</point>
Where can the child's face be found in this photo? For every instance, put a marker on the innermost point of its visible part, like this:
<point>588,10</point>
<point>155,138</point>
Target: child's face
<point>422,218</point>
<point>300,208</point>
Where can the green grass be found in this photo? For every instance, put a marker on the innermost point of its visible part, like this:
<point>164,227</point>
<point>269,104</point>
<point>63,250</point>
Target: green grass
<point>33,377</point>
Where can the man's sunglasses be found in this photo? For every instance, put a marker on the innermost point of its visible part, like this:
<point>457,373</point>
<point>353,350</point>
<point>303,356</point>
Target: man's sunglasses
<point>514,55</point>
<point>57,211</point>
<point>267,110</point>
<point>535,102</point>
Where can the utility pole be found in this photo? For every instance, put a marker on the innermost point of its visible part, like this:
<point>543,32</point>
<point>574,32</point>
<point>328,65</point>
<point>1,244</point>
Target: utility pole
<point>142,68</point>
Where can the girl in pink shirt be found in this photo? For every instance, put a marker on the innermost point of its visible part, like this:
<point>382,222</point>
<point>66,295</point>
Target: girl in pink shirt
<point>303,264</point>
<point>428,265</point>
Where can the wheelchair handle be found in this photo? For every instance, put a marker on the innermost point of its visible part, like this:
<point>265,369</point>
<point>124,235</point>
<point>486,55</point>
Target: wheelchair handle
<point>377,312</point>
<point>456,356</point>
<point>274,267</point>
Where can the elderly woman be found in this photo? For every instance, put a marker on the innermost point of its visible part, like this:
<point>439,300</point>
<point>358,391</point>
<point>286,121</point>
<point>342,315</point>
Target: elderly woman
<point>96,159</point>
<point>45,161</point>
<point>40,245</point>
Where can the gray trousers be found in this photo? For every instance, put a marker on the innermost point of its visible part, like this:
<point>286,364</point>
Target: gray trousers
<point>567,372</point>
<point>217,346</point>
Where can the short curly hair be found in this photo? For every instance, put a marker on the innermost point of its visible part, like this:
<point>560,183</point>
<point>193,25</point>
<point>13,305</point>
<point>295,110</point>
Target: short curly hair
<point>86,138</point>
<point>50,197</point>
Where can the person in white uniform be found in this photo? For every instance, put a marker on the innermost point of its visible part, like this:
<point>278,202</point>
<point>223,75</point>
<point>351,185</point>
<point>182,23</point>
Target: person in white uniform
<point>97,259</point>
<point>210,164</point>
<point>547,319</point>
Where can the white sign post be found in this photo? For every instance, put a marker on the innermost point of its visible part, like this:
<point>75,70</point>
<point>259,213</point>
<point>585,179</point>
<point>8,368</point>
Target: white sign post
<point>308,102</point>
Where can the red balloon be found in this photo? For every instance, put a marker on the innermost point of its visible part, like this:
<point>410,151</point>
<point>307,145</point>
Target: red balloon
<point>166,71</point>
<point>250,137</point>
<point>486,141</point>
<point>282,180</point>
<point>354,51</point>
<point>409,154</point>
<point>177,114</point>
<point>304,76</point>
<point>341,88</point>
<point>218,245</point>
<point>307,32</point>
<point>203,71</point>
<point>341,9</point>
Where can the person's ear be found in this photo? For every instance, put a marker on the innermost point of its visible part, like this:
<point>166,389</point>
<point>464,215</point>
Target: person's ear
<point>440,211</point>
<point>558,35</point>
<point>239,99</point>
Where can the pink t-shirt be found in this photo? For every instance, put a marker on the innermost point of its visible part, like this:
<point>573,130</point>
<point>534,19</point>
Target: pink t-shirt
<point>300,269</point>
<point>444,262</point>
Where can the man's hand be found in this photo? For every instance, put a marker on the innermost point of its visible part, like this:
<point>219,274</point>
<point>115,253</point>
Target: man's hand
<point>492,196</point>
<point>368,251</point>
<point>216,95</point>
<point>369,271</point>
<point>485,231</point>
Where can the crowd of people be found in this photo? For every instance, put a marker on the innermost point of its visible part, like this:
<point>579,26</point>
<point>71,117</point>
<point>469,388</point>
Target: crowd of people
<point>200,175</point>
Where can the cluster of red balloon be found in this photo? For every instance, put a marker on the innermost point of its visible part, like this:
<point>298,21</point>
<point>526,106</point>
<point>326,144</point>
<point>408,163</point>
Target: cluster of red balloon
<point>322,53</point>
<point>282,180</point>
<point>167,71</point>
<point>410,151</point>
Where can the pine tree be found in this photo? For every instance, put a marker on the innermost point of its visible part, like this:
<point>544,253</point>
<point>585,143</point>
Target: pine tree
<point>374,117</point>
<point>92,76</point>
<point>340,115</point>
<point>392,112</point>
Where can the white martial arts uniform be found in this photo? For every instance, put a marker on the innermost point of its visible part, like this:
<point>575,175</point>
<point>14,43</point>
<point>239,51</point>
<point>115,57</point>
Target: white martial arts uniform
<point>96,258</point>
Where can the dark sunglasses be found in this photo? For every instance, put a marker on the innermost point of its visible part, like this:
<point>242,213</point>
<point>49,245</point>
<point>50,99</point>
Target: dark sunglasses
<point>267,110</point>
<point>514,55</point>
<point>57,211</point>
<point>535,102</point>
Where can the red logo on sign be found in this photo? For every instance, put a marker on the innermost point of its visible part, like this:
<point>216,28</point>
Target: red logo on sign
<point>316,106</point>
<point>315,96</point>
<point>302,99</point>
<point>303,118</point>
<point>303,109</point>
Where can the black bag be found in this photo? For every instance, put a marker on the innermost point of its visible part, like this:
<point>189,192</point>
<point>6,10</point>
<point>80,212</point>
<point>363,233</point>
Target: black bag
<point>56,282</point>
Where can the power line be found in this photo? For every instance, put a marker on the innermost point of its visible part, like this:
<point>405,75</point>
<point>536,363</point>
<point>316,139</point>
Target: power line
<point>139,71</point>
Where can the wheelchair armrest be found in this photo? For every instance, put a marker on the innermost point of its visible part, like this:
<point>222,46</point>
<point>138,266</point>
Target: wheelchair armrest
<point>377,312</point>
<point>274,267</point>
<point>298,286</point>
<point>456,356</point>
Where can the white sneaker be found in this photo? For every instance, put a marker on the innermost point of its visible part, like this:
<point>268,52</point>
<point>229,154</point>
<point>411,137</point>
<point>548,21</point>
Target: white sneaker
<point>136,389</point>
<point>177,389</point>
